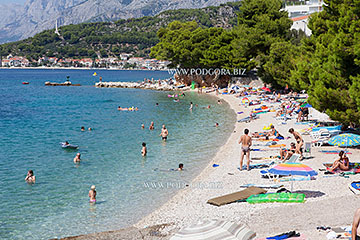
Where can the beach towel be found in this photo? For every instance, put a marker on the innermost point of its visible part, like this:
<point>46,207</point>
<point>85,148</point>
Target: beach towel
<point>236,197</point>
<point>301,237</point>
<point>257,165</point>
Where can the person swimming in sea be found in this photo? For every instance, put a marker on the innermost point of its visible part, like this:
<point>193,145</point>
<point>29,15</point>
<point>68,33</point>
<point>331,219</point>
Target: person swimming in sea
<point>77,158</point>
<point>216,124</point>
<point>142,126</point>
<point>181,166</point>
<point>89,129</point>
<point>144,149</point>
<point>30,177</point>
<point>92,194</point>
<point>82,128</point>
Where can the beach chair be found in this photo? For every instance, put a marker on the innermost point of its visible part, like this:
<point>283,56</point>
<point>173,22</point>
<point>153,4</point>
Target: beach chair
<point>307,148</point>
<point>294,158</point>
<point>236,197</point>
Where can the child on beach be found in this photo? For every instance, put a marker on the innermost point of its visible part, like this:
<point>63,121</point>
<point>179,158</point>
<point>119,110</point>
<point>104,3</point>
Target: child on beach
<point>144,149</point>
<point>92,194</point>
<point>30,178</point>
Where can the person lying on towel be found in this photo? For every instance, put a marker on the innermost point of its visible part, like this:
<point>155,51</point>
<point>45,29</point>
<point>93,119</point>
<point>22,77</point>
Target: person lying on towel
<point>342,163</point>
<point>285,153</point>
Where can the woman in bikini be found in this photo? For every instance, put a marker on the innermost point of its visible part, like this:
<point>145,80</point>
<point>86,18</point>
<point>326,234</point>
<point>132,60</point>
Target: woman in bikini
<point>299,141</point>
<point>342,163</point>
<point>285,154</point>
<point>30,178</point>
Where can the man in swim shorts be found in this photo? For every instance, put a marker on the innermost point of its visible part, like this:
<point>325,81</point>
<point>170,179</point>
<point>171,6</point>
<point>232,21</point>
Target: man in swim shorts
<point>164,133</point>
<point>92,194</point>
<point>245,140</point>
<point>355,231</point>
<point>151,126</point>
<point>77,158</point>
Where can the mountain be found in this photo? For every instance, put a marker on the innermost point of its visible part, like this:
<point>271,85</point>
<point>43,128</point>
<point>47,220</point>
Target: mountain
<point>109,39</point>
<point>19,22</point>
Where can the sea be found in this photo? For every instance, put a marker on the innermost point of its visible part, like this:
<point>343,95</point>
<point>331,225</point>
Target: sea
<point>35,119</point>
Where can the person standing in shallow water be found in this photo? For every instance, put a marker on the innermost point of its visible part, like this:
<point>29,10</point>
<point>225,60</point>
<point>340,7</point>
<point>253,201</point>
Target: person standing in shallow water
<point>151,126</point>
<point>164,133</point>
<point>77,158</point>
<point>246,142</point>
<point>144,149</point>
<point>191,106</point>
<point>92,194</point>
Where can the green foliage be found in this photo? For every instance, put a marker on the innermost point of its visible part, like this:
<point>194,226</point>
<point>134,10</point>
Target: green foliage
<point>330,65</point>
<point>260,24</point>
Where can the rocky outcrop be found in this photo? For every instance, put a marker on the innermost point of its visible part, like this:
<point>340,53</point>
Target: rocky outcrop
<point>19,22</point>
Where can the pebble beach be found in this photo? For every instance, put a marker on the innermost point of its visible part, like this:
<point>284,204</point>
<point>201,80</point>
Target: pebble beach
<point>330,204</point>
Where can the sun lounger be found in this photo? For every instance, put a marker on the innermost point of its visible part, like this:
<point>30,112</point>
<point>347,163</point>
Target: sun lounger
<point>236,197</point>
<point>294,158</point>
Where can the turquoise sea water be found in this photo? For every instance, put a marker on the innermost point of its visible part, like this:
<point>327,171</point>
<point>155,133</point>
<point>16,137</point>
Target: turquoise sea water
<point>34,119</point>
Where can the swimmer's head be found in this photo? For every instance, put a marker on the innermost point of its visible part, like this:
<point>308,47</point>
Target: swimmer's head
<point>144,144</point>
<point>181,166</point>
<point>78,154</point>
<point>82,128</point>
<point>89,128</point>
<point>163,126</point>
<point>216,124</point>
<point>157,104</point>
<point>31,172</point>
<point>92,187</point>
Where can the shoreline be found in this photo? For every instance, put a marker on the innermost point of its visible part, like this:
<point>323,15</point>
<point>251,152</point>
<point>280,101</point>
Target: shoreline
<point>189,205</point>
<point>133,231</point>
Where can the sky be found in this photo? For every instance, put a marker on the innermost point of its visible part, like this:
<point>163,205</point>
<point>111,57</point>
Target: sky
<point>11,1</point>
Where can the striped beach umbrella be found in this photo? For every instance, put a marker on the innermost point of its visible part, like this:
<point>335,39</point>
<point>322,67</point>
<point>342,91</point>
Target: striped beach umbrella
<point>345,140</point>
<point>291,169</point>
<point>215,230</point>
<point>287,169</point>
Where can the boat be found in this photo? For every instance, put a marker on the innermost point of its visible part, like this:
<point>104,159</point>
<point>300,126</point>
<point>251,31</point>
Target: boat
<point>25,83</point>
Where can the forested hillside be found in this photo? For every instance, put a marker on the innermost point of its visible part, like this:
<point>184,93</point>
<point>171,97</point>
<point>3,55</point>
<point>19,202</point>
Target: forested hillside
<point>109,39</point>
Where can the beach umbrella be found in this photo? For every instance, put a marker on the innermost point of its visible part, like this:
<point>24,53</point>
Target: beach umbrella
<point>345,140</point>
<point>306,105</point>
<point>291,169</point>
<point>266,89</point>
<point>214,230</point>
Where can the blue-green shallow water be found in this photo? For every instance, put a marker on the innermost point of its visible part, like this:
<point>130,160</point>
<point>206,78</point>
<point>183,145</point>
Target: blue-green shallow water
<point>35,118</point>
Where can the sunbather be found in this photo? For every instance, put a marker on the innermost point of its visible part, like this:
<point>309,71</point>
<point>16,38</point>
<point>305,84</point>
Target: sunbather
<point>299,141</point>
<point>342,163</point>
<point>286,153</point>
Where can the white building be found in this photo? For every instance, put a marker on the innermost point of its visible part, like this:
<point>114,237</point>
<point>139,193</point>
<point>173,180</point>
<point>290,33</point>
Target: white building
<point>299,12</point>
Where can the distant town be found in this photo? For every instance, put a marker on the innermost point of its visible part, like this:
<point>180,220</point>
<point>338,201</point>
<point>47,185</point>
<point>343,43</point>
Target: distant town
<point>125,61</point>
